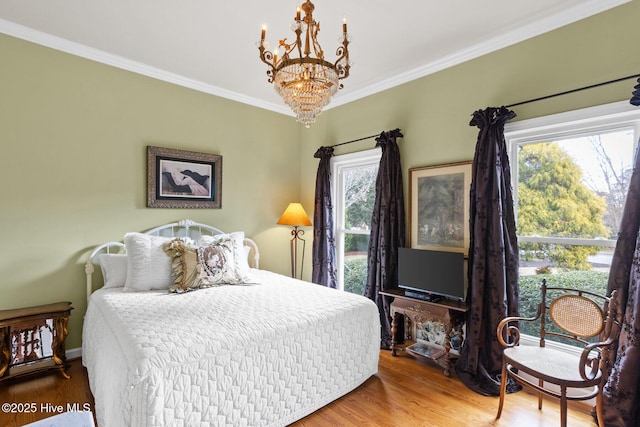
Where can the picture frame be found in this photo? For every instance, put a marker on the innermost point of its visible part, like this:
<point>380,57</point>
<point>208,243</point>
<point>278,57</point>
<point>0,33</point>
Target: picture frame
<point>183,179</point>
<point>439,207</point>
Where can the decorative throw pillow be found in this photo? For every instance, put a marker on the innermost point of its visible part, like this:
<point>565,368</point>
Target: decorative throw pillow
<point>184,266</point>
<point>148,266</point>
<point>196,267</point>
<point>114,269</point>
<point>240,254</point>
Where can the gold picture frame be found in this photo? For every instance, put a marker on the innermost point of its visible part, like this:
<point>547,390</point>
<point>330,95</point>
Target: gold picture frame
<point>439,207</point>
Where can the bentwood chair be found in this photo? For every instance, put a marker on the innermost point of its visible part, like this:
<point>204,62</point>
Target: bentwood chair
<point>577,315</point>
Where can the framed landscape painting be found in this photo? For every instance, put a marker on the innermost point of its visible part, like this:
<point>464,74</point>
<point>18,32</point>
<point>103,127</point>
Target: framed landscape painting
<point>439,207</point>
<point>183,179</point>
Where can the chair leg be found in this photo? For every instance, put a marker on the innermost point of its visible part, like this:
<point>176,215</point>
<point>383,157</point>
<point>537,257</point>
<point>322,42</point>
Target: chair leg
<point>563,407</point>
<point>503,388</point>
<point>541,384</point>
<point>599,409</point>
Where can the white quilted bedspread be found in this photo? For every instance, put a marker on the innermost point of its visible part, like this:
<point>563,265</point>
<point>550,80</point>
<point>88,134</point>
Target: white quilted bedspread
<point>253,355</point>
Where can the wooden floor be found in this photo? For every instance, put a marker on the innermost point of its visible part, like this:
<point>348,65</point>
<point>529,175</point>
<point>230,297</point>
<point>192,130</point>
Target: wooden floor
<point>405,392</point>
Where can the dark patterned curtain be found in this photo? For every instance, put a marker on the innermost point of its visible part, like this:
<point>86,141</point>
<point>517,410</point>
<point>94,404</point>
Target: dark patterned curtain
<point>493,255</point>
<point>387,230</point>
<point>621,406</point>
<point>324,244</point>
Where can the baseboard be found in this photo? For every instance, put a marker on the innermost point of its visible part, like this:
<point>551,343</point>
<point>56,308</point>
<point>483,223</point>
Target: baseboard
<point>74,353</point>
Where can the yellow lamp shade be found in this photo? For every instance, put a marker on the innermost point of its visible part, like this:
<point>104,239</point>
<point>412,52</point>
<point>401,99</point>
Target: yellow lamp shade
<point>294,215</point>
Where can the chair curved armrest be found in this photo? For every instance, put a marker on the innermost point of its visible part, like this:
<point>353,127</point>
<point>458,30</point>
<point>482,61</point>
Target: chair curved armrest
<point>590,359</point>
<point>511,332</point>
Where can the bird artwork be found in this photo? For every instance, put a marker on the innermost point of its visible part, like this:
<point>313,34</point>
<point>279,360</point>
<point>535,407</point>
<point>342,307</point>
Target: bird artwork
<point>200,179</point>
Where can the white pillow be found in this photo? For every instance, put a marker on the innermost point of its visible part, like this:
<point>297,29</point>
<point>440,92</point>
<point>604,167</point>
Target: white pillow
<point>114,269</point>
<point>240,255</point>
<point>148,266</point>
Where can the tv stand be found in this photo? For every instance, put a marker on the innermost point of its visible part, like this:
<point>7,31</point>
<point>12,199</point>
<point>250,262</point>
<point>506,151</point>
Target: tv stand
<point>430,327</point>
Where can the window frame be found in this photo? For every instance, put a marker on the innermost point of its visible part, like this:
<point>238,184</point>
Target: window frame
<point>339,165</point>
<point>583,122</point>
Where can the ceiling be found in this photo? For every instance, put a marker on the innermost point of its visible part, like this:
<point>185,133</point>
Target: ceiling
<point>210,45</point>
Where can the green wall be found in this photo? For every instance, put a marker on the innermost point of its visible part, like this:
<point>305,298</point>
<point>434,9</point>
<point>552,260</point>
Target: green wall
<point>73,168</point>
<point>434,111</point>
<point>74,136</point>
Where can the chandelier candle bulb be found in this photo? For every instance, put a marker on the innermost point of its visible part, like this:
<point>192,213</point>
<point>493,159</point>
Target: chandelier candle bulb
<point>264,32</point>
<point>344,25</point>
<point>298,13</point>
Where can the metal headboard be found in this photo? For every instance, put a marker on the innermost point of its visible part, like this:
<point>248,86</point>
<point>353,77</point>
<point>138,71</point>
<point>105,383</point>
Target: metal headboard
<point>184,228</point>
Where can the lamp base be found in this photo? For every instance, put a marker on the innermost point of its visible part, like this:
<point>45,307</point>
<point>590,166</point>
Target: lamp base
<point>294,252</point>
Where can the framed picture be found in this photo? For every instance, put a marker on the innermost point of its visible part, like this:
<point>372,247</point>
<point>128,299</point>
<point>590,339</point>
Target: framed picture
<point>439,207</point>
<point>183,179</point>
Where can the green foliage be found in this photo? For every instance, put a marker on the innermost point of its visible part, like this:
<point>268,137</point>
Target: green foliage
<point>530,291</point>
<point>355,275</point>
<point>356,243</point>
<point>552,201</point>
<point>358,215</point>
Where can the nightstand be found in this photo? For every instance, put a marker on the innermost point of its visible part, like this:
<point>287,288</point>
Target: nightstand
<point>32,339</point>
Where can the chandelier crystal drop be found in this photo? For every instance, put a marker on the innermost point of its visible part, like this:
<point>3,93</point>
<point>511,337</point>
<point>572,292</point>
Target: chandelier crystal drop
<point>307,82</point>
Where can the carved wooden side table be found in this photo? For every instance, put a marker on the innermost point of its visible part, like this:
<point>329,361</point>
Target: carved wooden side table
<point>439,320</point>
<point>32,339</point>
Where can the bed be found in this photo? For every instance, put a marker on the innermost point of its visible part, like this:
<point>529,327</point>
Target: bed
<point>264,351</point>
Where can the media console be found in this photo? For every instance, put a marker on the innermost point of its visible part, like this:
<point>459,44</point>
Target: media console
<point>432,329</point>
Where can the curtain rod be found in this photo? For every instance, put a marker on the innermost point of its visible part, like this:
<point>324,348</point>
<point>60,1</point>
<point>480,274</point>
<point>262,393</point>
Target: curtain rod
<point>355,140</point>
<point>573,90</point>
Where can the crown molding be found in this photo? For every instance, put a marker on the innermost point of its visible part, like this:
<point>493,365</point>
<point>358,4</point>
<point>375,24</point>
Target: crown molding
<point>582,11</point>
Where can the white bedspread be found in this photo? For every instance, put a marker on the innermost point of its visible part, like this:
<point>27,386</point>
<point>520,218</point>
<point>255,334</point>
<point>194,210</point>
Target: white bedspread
<point>253,355</point>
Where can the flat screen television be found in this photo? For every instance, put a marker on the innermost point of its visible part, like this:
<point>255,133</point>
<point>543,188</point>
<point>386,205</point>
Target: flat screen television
<point>431,275</point>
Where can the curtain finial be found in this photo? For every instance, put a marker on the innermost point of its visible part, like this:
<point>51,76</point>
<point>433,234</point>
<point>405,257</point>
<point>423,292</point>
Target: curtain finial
<point>635,96</point>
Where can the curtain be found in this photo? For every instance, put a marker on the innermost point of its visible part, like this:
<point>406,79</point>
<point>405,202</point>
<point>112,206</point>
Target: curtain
<point>621,406</point>
<point>387,231</point>
<point>324,244</point>
<point>493,255</point>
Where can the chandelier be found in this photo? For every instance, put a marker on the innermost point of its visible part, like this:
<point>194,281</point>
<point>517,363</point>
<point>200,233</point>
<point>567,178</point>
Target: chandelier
<point>306,83</point>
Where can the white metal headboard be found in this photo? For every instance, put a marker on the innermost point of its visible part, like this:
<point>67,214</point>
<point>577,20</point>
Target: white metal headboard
<point>184,228</point>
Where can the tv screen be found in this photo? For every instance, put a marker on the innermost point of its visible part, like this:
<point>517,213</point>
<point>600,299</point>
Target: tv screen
<point>432,272</point>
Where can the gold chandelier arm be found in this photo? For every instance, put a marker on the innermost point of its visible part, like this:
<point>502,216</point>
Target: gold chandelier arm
<point>288,48</point>
<point>342,63</point>
<point>267,57</point>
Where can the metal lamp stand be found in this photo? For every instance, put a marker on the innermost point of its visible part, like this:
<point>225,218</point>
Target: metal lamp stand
<point>294,251</point>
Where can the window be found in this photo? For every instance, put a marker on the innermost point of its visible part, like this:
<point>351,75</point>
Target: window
<point>354,188</point>
<point>570,176</point>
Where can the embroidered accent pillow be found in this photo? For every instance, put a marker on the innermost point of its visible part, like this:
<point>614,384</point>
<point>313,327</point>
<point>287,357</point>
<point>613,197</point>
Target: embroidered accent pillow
<point>196,267</point>
<point>240,252</point>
